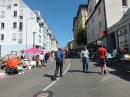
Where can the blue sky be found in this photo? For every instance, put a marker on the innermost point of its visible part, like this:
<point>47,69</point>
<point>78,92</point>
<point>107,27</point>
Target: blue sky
<point>59,16</point>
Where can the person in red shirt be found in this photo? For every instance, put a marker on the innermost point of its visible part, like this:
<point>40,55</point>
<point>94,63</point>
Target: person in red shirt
<point>102,55</point>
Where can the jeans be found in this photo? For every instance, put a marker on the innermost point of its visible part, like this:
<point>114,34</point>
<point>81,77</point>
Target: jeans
<point>85,64</point>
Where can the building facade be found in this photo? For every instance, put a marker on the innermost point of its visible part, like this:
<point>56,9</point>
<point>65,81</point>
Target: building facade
<point>102,15</point>
<point>20,27</point>
<point>79,21</point>
<point>55,44</point>
<point>69,45</point>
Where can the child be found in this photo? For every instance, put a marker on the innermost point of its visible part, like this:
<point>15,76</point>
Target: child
<point>20,68</point>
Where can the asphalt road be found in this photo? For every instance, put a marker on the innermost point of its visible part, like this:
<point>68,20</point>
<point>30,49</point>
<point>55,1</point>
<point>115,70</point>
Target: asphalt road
<point>75,83</point>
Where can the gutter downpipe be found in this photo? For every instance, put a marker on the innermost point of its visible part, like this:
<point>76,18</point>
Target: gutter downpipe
<point>105,22</point>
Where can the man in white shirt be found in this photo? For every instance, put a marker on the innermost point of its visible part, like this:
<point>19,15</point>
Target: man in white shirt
<point>41,57</point>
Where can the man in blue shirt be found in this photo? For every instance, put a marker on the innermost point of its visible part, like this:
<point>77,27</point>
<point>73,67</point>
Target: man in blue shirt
<point>84,56</point>
<point>60,58</point>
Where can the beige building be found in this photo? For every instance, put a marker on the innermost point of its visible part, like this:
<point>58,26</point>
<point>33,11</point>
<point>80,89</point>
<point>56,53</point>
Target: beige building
<point>69,45</point>
<point>55,44</point>
<point>79,21</point>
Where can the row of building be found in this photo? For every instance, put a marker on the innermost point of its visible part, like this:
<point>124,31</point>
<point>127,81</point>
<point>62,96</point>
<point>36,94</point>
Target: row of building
<point>106,21</point>
<point>23,28</point>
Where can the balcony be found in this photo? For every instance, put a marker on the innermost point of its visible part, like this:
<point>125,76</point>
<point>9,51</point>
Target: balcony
<point>20,41</point>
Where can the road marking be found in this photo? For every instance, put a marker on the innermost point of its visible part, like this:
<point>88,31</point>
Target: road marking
<point>56,80</point>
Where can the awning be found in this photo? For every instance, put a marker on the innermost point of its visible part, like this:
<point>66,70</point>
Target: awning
<point>92,45</point>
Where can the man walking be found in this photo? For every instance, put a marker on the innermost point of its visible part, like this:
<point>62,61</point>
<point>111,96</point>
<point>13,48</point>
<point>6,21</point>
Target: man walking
<point>102,55</point>
<point>60,58</point>
<point>84,56</point>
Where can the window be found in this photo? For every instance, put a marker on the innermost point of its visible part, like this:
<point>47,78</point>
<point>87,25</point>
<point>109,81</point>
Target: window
<point>15,5</point>
<point>92,19</point>
<point>20,38</point>
<point>20,25</point>
<point>94,2</point>
<point>88,36</point>
<point>93,32</point>
<point>124,2</point>
<point>90,9</point>
<point>3,3</point>
<point>1,37</point>
<point>15,13</point>
<point>88,25</point>
<point>99,11</point>
<point>2,25</point>
<point>2,14</point>
<point>100,26</point>
<point>14,24</point>
<point>14,36</point>
<point>39,38</point>
<point>8,6</point>
<point>21,14</point>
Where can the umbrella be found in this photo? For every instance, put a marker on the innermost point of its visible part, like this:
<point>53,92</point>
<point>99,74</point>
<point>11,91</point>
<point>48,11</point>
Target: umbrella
<point>13,62</point>
<point>33,49</point>
<point>8,56</point>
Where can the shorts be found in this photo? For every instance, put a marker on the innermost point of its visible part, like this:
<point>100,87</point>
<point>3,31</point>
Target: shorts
<point>102,61</point>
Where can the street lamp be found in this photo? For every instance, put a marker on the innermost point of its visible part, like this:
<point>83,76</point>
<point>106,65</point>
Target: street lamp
<point>26,30</point>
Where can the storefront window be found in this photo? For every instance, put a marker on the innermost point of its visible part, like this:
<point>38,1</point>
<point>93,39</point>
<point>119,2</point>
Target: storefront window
<point>123,39</point>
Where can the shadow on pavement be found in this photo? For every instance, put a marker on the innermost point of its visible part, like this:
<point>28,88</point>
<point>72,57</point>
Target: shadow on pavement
<point>50,76</point>
<point>118,71</point>
<point>95,72</point>
<point>96,65</point>
<point>74,71</point>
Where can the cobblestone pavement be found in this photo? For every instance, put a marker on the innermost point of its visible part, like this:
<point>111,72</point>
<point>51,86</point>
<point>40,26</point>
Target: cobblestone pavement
<point>75,83</point>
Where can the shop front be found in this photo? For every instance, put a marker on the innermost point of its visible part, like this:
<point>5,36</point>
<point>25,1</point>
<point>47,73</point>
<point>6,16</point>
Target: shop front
<point>119,36</point>
<point>123,39</point>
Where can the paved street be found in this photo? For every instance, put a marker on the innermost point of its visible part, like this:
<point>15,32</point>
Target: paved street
<point>75,83</point>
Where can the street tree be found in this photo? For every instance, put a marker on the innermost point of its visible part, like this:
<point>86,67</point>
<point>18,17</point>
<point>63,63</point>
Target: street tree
<point>81,37</point>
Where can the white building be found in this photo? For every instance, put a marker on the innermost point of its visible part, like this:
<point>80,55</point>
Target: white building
<point>20,27</point>
<point>103,14</point>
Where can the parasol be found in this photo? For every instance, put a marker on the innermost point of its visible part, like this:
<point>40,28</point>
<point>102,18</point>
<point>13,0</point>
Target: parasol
<point>13,62</point>
<point>8,56</point>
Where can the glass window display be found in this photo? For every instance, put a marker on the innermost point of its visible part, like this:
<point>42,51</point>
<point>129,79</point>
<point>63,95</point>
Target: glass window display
<point>123,39</point>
